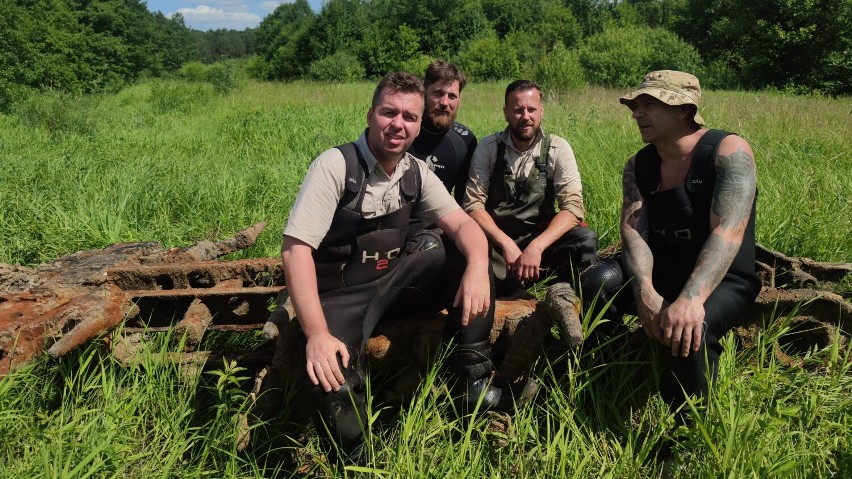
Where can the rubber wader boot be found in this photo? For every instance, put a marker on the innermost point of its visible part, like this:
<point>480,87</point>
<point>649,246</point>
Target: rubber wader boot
<point>470,368</point>
<point>342,416</point>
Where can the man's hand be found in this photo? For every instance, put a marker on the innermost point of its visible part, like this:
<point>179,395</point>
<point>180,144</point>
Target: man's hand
<point>650,308</point>
<point>511,253</point>
<point>474,294</point>
<point>683,326</point>
<point>322,366</point>
<point>526,266</point>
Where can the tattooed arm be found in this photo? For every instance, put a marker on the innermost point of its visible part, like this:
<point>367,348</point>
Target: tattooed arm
<point>733,195</point>
<point>636,254</point>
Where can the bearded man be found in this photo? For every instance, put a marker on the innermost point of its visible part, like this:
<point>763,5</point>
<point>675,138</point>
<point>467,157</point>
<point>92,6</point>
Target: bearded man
<point>516,179</point>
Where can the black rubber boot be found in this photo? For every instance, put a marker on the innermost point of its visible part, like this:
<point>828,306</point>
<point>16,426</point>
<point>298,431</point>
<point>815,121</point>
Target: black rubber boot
<point>342,417</point>
<point>470,370</point>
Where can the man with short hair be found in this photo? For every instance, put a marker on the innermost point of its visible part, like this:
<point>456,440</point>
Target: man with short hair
<point>345,261</point>
<point>516,178</point>
<point>687,231</point>
<point>443,143</point>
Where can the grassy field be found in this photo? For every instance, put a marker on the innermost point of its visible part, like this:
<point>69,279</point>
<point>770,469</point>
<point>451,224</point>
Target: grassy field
<point>176,163</point>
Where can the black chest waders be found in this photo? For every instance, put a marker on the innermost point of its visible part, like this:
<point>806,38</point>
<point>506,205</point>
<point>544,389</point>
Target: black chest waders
<point>679,218</point>
<point>358,250</point>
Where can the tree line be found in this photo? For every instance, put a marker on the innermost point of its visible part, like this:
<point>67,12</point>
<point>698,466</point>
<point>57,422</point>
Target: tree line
<point>84,46</point>
<point>100,45</point>
<point>795,45</point>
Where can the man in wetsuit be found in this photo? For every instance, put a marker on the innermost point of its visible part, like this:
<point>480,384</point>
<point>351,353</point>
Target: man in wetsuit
<point>687,231</point>
<point>516,179</point>
<point>444,144</point>
<point>346,266</point>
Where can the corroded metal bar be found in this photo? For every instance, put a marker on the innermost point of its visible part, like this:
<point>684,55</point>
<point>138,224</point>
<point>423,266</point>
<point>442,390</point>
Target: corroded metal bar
<point>248,307</point>
<point>201,275</point>
<point>194,323</point>
<point>97,312</point>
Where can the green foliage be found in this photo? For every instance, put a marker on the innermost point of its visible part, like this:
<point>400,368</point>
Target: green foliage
<point>620,57</point>
<point>560,70</point>
<point>417,64</point>
<point>489,58</point>
<point>387,49</point>
<point>194,71</point>
<point>58,113</point>
<point>224,76</point>
<point>772,43</point>
<point>338,67</point>
<point>92,46</point>
<point>277,37</point>
<point>175,97</point>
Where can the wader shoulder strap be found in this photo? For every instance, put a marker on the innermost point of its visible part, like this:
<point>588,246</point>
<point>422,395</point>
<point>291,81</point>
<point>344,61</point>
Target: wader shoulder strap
<point>702,171</point>
<point>411,183</point>
<point>540,162</point>
<point>356,176</point>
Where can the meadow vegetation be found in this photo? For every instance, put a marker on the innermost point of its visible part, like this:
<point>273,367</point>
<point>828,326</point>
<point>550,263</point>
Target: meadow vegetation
<point>177,161</point>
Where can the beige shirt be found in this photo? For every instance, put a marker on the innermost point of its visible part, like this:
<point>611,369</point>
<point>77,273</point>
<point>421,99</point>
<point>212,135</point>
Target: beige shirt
<point>561,167</point>
<point>323,187</point>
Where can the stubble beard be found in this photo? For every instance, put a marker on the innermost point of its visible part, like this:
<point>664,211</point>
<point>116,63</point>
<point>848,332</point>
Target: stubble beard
<point>522,135</point>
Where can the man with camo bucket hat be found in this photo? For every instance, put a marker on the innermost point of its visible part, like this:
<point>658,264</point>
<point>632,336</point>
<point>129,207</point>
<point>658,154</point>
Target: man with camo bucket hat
<point>687,231</point>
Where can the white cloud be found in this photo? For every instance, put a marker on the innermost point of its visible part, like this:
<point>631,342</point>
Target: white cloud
<point>271,5</point>
<point>213,18</point>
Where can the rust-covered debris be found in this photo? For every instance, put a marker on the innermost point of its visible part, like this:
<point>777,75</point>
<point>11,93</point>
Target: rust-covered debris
<point>141,286</point>
<point>146,288</point>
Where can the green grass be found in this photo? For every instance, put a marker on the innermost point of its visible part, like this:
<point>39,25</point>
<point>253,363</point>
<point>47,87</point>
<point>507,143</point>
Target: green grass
<point>175,162</point>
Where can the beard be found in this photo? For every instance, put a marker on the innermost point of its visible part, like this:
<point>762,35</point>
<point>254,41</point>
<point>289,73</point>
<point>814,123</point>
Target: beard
<point>525,135</point>
<point>440,120</point>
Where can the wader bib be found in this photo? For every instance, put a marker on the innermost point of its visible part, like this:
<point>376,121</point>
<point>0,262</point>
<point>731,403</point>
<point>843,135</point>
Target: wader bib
<point>358,250</point>
<point>679,218</point>
<point>519,208</point>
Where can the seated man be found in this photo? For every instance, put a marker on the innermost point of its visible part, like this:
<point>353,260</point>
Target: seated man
<point>443,143</point>
<point>687,232</point>
<point>516,178</point>
<point>345,263</point>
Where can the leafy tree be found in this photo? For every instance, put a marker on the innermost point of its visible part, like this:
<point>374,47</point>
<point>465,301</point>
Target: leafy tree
<point>489,58</point>
<point>277,38</point>
<point>799,44</point>
<point>620,57</point>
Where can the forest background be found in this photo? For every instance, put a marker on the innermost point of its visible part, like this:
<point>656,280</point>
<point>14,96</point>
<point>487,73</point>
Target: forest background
<point>118,124</point>
<point>85,46</point>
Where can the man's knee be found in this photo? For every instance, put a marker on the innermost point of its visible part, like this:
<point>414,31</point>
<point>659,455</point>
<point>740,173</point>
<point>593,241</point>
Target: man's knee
<point>604,279</point>
<point>586,244</point>
<point>342,414</point>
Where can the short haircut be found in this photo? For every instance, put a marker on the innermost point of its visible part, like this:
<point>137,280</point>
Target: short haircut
<point>520,85</point>
<point>444,71</point>
<point>398,82</point>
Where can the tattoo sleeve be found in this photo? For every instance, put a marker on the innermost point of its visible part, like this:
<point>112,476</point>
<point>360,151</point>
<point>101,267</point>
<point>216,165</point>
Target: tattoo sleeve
<point>732,200</point>
<point>636,254</point>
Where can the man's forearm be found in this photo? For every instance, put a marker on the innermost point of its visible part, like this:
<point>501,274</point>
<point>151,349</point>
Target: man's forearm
<point>733,197</point>
<point>558,226</point>
<point>636,254</point>
<point>494,234</point>
<point>300,274</point>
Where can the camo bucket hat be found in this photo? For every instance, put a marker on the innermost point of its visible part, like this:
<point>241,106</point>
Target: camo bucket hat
<point>670,87</point>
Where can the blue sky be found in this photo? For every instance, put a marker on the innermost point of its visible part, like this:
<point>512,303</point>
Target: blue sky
<point>213,14</point>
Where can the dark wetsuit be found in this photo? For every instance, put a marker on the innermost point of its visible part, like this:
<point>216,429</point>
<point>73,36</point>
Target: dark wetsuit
<point>448,155</point>
<point>679,225</point>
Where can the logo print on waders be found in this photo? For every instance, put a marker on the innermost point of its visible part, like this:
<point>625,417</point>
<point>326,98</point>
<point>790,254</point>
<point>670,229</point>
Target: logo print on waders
<point>381,263</point>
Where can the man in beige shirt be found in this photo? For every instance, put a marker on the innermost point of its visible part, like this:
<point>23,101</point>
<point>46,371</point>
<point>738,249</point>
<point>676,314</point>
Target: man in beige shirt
<point>346,266</point>
<point>516,177</point>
